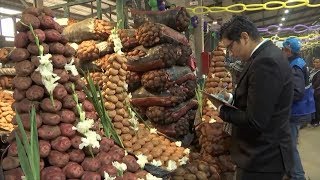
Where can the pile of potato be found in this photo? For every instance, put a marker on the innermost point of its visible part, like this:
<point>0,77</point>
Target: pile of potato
<point>97,78</point>
<point>6,82</point>
<point>3,54</point>
<point>6,112</point>
<point>141,141</point>
<point>87,51</point>
<point>103,28</point>
<point>60,155</point>
<point>150,34</point>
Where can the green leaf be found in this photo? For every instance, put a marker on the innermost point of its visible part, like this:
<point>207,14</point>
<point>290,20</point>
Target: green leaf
<point>34,143</point>
<point>23,133</point>
<point>24,162</point>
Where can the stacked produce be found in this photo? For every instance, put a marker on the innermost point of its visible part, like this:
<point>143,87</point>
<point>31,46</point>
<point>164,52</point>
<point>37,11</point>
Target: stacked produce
<point>3,54</point>
<point>68,148</point>
<point>137,138</point>
<point>6,82</point>
<point>167,84</point>
<point>214,141</point>
<point>6,112</point>
<point>6,71</point>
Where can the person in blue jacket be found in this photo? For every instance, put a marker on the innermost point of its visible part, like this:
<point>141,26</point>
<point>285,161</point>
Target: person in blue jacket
<point>303,102</point>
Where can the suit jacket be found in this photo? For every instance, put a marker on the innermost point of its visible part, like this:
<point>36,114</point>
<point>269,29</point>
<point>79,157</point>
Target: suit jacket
<point>261,140</point>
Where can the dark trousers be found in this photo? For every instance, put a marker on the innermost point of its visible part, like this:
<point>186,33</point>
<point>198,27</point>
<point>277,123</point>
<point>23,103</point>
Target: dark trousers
<point>242,174</point>
<point>317,114</point>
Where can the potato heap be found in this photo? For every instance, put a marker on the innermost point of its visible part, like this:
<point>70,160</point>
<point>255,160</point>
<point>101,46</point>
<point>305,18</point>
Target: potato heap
<point>103,28</point>
<point>6,82</point>
<point>6,112</point>
<point>136,137</point>
<point>165,96</point>
<point>3,54</point>
<point>214,141</point>
<point>87,50</point>
<point>60,153</point>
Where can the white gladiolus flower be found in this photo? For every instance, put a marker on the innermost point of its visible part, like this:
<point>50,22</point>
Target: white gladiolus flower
<point>178,143</point>
<point>84,126</point>
<point>186,151</point>
<point>108,177</point>
<point>134,123</point>
<point>153,131</point>
<point>71,67</point>
<point>119,166</point>
<point>212,120</point>
<point>172,165</point>
<point>125,86</point>
<point>183,160</point>
<point>129,95</point>
<point>142,160</point>
<point>156,163</point>
<point>151,177</point>
<point>91,139</point>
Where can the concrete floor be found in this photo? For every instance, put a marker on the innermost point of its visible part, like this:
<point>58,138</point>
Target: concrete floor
<point>309,148</point>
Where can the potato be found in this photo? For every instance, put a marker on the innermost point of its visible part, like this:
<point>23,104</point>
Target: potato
<point>50,118</point>
<point>24,68</point>
<point>106,144</point>
<point>66,130</point>
<point>110,169</point>
<point>49,132</point>
<point>67,116</point>
<point>52,35</point>
<point>129,176</point>
<point>32,10</point>
<point>92,115</point>
<point>80,84</point>
<point>47,11</point>
<point>131,163</point>
<point>58,61</point>
<point>13,174</point>
<point>76,141</point>
<point>25,105</point>
<point>89,151</point>
<point>39,33</point>
<point>34,50</point>
<point>21,40</point>
<point>35,60</point>
<point>56,48</point>
<point>22,83</point>
<point>87,175</point>
<point>30,19</point>
<point>63,74</point>
<point>35,93</point>
<point>44,148</point>
<point>87,105</point>
<point>13,149</point>
<point>19,54</point>
<point>10,162</point>
<point>58,27</point>
<point>61,143</point>
<point>81,96</point>
<point>58,159</point>
<point>69,51</point>
<point>91,164</point>
<point>73,170</point>
<point>47,105</point>
<point>76,155</point>
<point>36,78</point>
<point>46,22</point>
<point>190,177</point>
<point>25,119</point>
<point>20,27</point>
<point>59,92</point>
<point>105,158</point>
<point>68,102</point>
<point>64,39</point>
<point>18,95</point>
<point>52,172</point>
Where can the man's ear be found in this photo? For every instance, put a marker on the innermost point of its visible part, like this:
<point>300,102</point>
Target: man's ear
<point>245,36</point>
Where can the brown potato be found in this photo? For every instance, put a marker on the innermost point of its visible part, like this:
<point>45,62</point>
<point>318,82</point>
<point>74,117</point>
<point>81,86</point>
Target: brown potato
<point>52,172</point>
<point>22,83</point>
<point>56,48</point>
<point>68,102</point>
<point>76,155</point>
<point>52,35</point>
<point>67,116</point>
<point>18,95</point>
<point>25,105</point>
<point>58,61</point>
<point>69,51</point>
<point>50,118</point>
<point>13,174</point>
<point>19,54</point>
<point>21,40</point>
<point>87,175</point>
<point>39,33</point>
<point>34,50</point>
<point>46,22</point>
<point>49,132</point>
<point>10,162</point>
<point>131,163</point>
<point>44,148</point>
<point>30,19</point>
<point>26,122</point>
<point>58,159</point>
<point>48,106</point>
<point>24,68</point>
<point>91,164</point>
<point>35,93</point>
<point>76,141</point>
<point>59,92</point>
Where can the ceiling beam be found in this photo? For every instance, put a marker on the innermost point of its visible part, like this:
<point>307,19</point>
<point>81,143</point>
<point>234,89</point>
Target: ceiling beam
<point>72,3</point>
<point>17,5</point>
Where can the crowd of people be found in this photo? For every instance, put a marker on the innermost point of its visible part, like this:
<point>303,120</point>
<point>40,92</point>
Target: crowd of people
<point>275,94</point>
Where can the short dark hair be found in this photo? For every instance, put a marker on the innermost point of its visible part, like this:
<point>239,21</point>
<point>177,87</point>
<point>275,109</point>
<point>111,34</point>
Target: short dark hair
<point>235,26</point>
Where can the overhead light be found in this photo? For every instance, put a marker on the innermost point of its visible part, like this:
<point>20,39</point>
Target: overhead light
<point>283,19</point>
<point>286,11</point>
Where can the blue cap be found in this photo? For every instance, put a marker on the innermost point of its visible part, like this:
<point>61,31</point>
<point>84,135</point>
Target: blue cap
<point>293,44</point>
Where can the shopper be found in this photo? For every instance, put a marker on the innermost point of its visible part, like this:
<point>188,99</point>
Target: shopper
<point>303,102</point>
<point>315,80</point>
<point>261,143</point>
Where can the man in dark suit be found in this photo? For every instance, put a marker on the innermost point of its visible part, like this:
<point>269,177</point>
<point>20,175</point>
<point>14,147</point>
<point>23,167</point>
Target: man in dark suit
<point>261,143</point>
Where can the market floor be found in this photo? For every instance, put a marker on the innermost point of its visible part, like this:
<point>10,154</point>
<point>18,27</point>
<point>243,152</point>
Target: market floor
<point>309,148</point>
